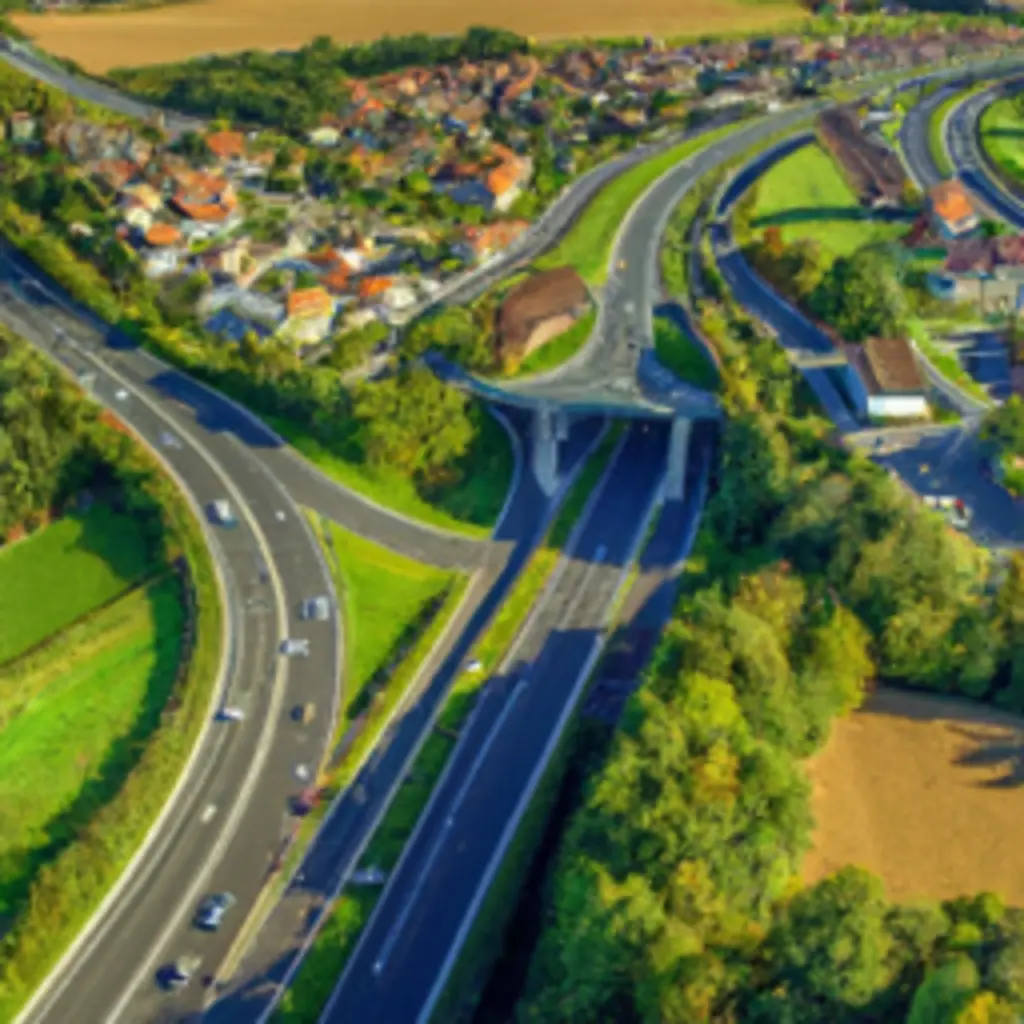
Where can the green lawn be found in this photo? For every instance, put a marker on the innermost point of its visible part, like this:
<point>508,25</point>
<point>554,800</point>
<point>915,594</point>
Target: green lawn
<point>806,197</point>
<point>559,350</point>
<point>74,718</point>
<point>1002,135</point>
<point>588,245</point>
<point>935,141</point>
<point>470,506</point>
<point>384,598</point>
<point>683,356</point>
<point>54,577</point>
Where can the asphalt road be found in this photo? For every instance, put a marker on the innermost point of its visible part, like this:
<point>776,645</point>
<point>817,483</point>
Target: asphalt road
<point>232,814</point>
<point>338,846</point>
<point>427,904</point>
<point>946,463</point>
<point>972,165</point>
<point>231,430</point>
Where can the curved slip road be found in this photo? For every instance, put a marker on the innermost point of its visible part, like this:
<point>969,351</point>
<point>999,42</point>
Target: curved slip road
<point>232,808</point>
<point>931,461</point>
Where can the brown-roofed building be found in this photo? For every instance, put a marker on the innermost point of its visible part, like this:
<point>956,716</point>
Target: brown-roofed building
<point>542,307</point>
<point>952,210</point>
<point>163,234</point>
<point>985,271</point>
<point>226,146</point>
<point>872,170</point>
<point>885,381</point>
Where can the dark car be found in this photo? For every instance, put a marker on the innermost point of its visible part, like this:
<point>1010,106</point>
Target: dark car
<point>178,974</point>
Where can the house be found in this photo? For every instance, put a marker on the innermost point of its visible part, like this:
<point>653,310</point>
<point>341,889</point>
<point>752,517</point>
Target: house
<point>161,250</point>
<point>986,271</point>
<point>952,210</point>
<point>542,307</point>
<point>226,323</point>
<point>479,243</point>
<point>884,381</point>
<point>21,127</point>
<point>227,148</point>
<point>309,313</point>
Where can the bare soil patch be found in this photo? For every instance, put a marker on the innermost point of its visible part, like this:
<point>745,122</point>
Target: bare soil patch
<point>925,791</point>
<point>127,38</point>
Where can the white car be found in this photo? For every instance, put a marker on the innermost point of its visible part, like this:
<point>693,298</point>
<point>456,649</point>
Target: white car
<point>168,440</point>
<point>316,608</point>
<point>222,513</point>
<point>293,647</point>
<point>230,714</point>
<point>476,665</point>
<point>121,395</point>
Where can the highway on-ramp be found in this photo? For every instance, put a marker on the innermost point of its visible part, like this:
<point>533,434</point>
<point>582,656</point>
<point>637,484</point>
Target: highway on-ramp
<point>222,831</point>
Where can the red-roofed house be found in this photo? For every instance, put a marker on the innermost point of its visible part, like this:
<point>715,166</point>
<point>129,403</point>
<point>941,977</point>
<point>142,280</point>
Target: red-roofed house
<point>309,315</point>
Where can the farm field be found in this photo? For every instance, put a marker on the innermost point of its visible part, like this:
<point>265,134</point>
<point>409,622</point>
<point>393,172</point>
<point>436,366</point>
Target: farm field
<point>925,791</point>
<point>74,716</point>
<point>101,41</point>
<point>805,196</point>
<point>52,578</point>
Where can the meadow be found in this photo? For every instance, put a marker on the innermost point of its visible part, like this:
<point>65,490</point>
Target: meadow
<point>54,577</point>
<point>74,716</point>
<point>925,791</point>
<point>158,35</point>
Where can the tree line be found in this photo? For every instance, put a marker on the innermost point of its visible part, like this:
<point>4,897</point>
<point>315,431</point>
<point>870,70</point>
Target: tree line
<point>675,893</point>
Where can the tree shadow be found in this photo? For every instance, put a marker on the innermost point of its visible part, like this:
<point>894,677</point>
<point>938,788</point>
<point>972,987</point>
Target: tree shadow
<point>817,214</point>
<point>1003,133</point>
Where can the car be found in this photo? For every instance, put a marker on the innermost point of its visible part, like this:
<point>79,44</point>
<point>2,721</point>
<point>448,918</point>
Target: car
<point>294,647</point>
<point>622,264</point>
<point>302,772</point>
<point>121,394</point>
<point>212,910</point>
<point>222,514</point>
<point>304,713</point>
<point>168,440</point>
<point>476,665</point>
<point>231,714</point>
<point>177,975</point>
<point>316,608</point>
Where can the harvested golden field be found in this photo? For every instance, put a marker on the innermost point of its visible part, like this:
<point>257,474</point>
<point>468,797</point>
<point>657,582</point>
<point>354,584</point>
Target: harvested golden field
<point>927,792</point>
<point>158,35</point>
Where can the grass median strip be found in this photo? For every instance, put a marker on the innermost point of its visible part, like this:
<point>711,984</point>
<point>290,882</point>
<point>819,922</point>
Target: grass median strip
<point>588,245</point>
<point>683,355</point>
<point>325,961</point>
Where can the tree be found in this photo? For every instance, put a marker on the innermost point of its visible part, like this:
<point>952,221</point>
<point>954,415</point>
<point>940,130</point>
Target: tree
<point>413,425</point>
<point>945,993</point>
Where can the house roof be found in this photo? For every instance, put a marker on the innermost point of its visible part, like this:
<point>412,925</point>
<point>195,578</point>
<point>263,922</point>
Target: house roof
<point>887,366</point>
<point>163,234</point>
<point>540,297</point>
<point>370,287</point>
<point>951,202</point>
<point>309,302</point>
<point>225,145</point>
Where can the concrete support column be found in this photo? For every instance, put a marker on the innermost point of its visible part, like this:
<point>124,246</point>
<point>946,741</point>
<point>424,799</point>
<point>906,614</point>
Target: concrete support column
<point>678,451</point>
<point>545,449</point>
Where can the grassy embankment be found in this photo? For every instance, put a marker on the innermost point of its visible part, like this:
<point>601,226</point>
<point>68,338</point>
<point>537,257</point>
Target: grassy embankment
<point>683,355</point>
<point>1002,135</point>
<point>332,947</point>
<point>92,635</point>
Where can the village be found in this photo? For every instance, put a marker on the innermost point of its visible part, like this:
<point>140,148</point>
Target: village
<point>415,179</point>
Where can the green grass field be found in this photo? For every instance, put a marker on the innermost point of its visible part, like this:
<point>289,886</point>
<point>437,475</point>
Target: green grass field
<point>1002,135</point>
<point>806,197</point>
<point>936,144</point>
<point>559,350</point>
<point>384,597</point>
<point>588,245</point>
<point>683,356</point>
<point>52,578</point>
<point>74,718</point>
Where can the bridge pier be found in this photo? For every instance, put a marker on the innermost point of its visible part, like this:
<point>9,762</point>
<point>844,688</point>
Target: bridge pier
<point>550,426</point>
<point>678,450</point>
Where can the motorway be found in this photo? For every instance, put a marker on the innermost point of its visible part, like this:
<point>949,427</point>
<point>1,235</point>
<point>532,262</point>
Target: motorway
<point>406,951</point>
<point>231,814</point>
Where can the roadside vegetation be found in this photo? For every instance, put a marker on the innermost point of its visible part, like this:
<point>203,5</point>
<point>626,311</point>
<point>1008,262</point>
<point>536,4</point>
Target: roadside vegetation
<point>936,137</point>
<point>107,589</point>
<point>305,999</point>
<point>683,355</point>
<point>1003,431</point>
<point>558,351</point>
<point>1002,132</point>
<point>814,579</point>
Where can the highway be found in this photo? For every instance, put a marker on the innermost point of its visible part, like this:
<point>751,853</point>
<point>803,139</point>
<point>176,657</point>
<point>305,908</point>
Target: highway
<point>232,810</point>
<point>412,938</point>
<point>335,852</point>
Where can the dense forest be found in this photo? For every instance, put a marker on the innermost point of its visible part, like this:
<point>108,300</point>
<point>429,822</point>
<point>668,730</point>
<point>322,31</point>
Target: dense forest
<point>675,895</point>
<point>291,89</point>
